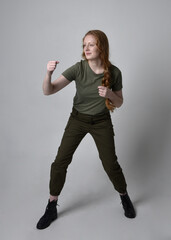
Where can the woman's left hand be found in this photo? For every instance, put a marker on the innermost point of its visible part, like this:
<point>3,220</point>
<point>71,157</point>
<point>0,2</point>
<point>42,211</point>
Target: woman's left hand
<point>104,91</point>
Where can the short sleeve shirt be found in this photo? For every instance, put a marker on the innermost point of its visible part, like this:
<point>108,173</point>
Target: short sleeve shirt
<point>87,99</point>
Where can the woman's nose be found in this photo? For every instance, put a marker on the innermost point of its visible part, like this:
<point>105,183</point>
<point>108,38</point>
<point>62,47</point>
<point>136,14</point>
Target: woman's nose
<point>87,47</point>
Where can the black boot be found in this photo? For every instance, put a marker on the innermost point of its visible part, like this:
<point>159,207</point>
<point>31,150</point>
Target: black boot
<point>49,215</point>
<point>128,206</point>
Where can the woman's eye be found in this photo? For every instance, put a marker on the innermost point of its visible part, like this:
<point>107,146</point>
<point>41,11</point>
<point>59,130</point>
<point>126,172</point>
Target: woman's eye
<point>90,45</point>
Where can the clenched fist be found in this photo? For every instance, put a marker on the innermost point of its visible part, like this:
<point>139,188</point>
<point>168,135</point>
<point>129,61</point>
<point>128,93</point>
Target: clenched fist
<point>51,66</point>
<point>104,91</point>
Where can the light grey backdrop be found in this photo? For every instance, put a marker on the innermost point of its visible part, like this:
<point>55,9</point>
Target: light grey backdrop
<point>34,32</point>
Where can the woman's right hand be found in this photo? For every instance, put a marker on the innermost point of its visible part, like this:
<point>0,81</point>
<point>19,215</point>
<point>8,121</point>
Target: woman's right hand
<point>51,66</point>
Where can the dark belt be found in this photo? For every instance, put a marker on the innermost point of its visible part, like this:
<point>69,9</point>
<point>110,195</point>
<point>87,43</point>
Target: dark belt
<point>90,118</point>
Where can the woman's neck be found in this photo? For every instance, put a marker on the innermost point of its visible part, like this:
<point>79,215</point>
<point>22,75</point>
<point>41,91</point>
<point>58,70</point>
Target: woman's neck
<point>96,66</point>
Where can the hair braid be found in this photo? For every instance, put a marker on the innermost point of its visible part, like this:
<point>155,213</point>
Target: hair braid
<point>106,83</point>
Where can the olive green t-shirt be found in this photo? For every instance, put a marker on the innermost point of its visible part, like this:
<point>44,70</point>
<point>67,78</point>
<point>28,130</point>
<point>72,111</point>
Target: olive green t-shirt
<point>87,99</point>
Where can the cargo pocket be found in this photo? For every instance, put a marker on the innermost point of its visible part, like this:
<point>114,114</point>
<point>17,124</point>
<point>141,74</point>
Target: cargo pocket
<point>110,127</point>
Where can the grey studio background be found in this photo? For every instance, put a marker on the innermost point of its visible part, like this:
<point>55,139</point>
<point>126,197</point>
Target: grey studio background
<point>34,32</point>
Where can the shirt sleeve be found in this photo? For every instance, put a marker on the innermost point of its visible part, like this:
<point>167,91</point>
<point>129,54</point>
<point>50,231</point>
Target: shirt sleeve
<point>117,84</point>
<point>72,72</point>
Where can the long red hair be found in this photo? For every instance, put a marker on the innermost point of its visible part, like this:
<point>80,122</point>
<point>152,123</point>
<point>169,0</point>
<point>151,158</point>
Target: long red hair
<point>103,46</point>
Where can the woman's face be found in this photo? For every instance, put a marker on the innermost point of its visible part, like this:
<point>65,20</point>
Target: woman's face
<point>90,48</point>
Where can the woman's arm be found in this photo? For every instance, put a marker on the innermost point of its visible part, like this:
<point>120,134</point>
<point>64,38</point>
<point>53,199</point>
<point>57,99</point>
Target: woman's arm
<point>55,86</point>
<point>115,97</point>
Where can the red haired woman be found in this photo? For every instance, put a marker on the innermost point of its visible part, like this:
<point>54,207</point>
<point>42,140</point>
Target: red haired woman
<point>98,91</point>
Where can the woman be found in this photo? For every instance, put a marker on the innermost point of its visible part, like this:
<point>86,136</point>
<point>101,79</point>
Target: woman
<point>99,91</point>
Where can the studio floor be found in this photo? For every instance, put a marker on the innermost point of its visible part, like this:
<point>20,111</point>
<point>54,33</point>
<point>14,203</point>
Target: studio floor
<point>88,208</point>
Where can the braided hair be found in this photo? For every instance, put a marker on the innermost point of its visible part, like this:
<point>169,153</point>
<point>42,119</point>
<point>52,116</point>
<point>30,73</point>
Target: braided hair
<point>103,46</point>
